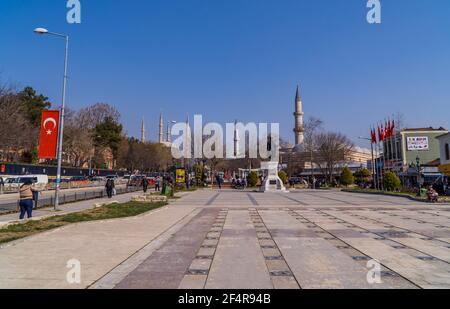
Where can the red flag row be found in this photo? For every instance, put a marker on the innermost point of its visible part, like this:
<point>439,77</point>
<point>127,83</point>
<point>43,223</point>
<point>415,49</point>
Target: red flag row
<point>383,132</point>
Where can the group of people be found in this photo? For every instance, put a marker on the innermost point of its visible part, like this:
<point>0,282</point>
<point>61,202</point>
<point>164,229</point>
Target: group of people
<point>158,184</point>
<point>239,183</point>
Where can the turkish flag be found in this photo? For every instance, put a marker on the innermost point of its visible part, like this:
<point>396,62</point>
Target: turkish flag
<point>49,135</point>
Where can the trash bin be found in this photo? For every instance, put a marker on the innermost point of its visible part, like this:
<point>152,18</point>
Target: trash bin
<point>423,192</point>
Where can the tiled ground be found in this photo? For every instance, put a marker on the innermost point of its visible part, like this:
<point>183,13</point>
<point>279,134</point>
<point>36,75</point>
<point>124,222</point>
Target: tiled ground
<point>305,239</point>
<point>242,239</point>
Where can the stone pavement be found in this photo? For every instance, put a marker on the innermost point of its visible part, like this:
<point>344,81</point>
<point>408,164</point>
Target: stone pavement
<point>227,239</point>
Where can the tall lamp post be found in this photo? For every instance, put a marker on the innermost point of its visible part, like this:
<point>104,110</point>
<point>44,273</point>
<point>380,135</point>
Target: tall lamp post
<point>42,31</point>
<point>419,186</point>
<point>374,170</point>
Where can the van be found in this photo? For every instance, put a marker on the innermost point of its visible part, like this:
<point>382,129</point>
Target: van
<point>14,183</point>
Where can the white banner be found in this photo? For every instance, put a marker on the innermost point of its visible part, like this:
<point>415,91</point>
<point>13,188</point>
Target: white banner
<point>418,143</point>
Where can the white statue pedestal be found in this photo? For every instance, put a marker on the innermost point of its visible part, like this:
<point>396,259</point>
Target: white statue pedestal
<point>272,183</point>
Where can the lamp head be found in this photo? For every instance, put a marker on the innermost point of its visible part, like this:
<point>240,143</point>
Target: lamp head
<point>40,31</point>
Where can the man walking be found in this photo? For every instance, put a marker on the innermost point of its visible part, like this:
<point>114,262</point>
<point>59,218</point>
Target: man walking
<point>158,184</point>
<point>145,184</point>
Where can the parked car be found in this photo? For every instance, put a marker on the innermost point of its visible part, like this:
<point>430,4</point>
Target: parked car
<point>136,181</point>
<point>14,183</point>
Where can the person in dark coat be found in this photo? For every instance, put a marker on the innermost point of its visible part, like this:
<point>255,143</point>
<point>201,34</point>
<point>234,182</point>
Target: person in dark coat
<point>145,184</point>
<point>109,187</point>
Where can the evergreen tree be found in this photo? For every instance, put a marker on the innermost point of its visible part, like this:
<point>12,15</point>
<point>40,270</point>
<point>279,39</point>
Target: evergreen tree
<point>391,181</point>
<point>347,177</point>
<point>252,179</point>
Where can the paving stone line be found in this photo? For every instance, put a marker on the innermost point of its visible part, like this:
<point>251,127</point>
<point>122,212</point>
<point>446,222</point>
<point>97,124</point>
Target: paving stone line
<point>407,231</point>
<point>386,238</point>
<point>279,271</point>
<point>294,200</point>
<point>346,248</point>
<point>198,272</point>
<point>212,200</point>
<point>252,199</point>
<point>331,199</point>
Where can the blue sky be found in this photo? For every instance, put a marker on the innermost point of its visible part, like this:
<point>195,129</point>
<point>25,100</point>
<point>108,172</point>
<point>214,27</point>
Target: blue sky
<point>238,59</point>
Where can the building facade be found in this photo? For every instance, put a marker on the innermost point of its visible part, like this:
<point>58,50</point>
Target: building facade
<point>444,146</point>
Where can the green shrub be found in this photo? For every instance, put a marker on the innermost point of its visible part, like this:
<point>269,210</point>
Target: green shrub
<point>347,177</point>
<point>283,177</point>
<point>362,176</point>
<point>391,181</point>
<point>252,179</point>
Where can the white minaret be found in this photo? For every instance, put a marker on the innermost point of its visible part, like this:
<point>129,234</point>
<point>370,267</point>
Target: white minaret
<point>161,129</point>
<point>169,133</point>
<point>299,129</point>
<point>143,131</point>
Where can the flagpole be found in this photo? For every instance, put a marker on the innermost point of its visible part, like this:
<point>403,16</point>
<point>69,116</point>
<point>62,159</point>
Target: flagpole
<point>373,142</point>
<point>382,159</point>
<point>395,141</point>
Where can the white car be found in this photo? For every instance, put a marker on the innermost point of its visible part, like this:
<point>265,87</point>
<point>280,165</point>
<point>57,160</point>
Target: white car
<point>14,183</point>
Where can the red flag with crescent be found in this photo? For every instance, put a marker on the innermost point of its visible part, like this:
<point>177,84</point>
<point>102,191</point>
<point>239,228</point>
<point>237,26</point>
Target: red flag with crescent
<point>49,135</point>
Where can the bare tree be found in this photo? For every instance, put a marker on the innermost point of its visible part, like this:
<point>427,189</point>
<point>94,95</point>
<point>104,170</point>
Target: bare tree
<point>332,149</point>
<point>78,141</point>
<point>92,116</point>
<point>16,132</point>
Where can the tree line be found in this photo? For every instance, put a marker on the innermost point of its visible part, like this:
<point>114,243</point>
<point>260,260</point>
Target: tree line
<point>92,135</point>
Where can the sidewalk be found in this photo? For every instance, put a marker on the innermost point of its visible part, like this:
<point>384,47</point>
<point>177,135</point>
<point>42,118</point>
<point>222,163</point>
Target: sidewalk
<point>68,208</point>
<point>99,246</point>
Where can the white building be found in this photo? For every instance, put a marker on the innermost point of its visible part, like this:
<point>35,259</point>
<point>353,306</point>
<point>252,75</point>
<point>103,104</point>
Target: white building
<point>444,142</point>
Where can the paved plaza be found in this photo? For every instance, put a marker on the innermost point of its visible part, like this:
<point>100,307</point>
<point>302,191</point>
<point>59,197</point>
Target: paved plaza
<point>246,240</point>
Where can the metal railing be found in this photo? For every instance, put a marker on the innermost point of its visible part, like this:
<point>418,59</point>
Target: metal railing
<point>69,197</point>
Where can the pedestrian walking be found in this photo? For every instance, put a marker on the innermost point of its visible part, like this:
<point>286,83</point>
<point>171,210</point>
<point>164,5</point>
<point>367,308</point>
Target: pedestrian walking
<point>188,181</point>
<point>219,181</point>
<point>36,198</point>
<point>110,187</point>
<point>26,200</point>
<point>158,184</point>
<point>145,184</point>
<point>2,185</point>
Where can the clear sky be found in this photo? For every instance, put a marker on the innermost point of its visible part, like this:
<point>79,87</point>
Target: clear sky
<point>238,59</point>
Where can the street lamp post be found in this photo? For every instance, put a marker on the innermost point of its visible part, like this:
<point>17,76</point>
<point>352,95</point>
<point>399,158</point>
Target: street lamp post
<point>374,170</point>
<point>418,175</point>
<point>42,31</point>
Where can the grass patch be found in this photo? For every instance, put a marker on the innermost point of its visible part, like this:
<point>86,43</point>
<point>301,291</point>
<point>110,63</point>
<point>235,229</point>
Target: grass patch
<point>442,199</point>
<point>113,211</point>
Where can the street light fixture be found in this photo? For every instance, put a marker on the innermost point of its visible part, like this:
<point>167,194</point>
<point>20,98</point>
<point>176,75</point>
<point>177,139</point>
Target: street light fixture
<point>374,163</point>
<point>43,31</point>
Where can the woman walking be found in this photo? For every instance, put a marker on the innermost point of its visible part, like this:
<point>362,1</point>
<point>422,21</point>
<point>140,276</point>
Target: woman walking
<point>26,200</point>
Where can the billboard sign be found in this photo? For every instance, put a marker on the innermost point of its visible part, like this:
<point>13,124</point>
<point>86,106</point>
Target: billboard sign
<point>418,143</point>
<point>181,175</point>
